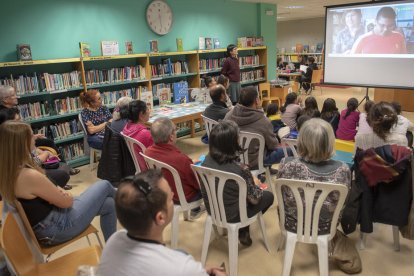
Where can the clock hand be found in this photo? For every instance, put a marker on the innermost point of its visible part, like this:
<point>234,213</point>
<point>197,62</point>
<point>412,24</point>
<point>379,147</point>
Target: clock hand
<point>159,16</point>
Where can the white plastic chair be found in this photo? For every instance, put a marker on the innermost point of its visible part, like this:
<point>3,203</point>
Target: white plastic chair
<point>209,178</point>
<point>184,206</point>
<point>130,142</point>
<point>245,138</point>
<point>290,143</point>
<point>92,152</point>
<point>208,124</point>
<point>308,218</point>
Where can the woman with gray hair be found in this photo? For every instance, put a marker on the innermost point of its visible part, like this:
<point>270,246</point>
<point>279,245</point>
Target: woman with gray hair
<point>8,97</point>
<point>120,114</point>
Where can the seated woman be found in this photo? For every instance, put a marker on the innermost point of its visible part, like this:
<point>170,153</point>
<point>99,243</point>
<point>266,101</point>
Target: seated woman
<point>291,110</point>
<point>54,214</point>
<point>311,108</point>
<point>120,114</point>
<point>224,150</point>
<point>138,115</point>
<point>94,117</point>
<point>330,113</point>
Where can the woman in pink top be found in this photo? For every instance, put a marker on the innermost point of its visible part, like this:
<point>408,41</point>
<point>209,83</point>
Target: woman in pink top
<point>348,122</point>
<point>138,115</point>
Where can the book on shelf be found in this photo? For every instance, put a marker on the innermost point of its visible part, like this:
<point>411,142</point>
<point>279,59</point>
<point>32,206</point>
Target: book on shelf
<point>201,43</point>
<point>179,42</point>
<point>299,48</point>
<point>258,41</point>
<point>146,96</point>
<point>110,48</point>
<point>249,41</point>
<point>216,43</point>
<point>164,95</point>
<point>180,90</point>
<point>114,75</point>
<point>153,46</point>
<point>306,48</point>
<point>72,151</point>
<point>319,48</point>
<point>24,52</point>
<point>209,43</point>
<point>85,49</point>
<point>168,69</point>
<point>129,49</point>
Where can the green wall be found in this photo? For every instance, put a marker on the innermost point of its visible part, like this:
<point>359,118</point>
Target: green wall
<point>267,29</point>
<point>54,28</point>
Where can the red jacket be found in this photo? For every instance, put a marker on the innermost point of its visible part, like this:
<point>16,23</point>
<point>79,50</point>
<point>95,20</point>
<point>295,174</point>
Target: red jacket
<point>172,156</point>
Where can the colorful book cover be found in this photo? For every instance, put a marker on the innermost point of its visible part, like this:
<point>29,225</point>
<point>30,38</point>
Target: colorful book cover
<point>306,48</point>
<point>180,90</point>
<point>216,43</point>
<point>85,49</point>
<point>129,49</point>
<point>179,44</point>
<point>110,48</point>
<point>24,52</point>
<point>201,43</point>
<point>299,48</point>
<point>319,48</point>
<point>146,96</point>
<point>209,43</point>
<point>153,44</point>
<point>164,95</point>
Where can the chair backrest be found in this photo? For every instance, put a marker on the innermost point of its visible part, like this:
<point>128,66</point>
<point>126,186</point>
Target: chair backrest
<point>291,143</point>
<point>308,218</point>
<point>264,87</point>
<point>133,144</point>
<point>213,181</point>
<point>16,248</point>
<point>82,124</point>
<point>245,140</point>
<point>208,124</point>
<point>155,164</point>
<point>26,223</point>
<point>316,76</point>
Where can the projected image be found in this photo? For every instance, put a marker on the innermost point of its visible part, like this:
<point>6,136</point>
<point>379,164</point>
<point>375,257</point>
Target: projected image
<point>379,30</point>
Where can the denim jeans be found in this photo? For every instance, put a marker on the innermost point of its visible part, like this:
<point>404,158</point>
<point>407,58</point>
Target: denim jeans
<point>95,141</point>
<point>62,225</point>
<point>275,156</point>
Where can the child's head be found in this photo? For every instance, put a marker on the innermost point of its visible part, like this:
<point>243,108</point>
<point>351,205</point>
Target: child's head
<point>367,106</point>
<point>310,103</point>
<point>301,120</point>
<point>351,105</point>
<point>382,117</point>
<point>209,81</point>
<point>272,109</point>
<point>290,99</point>
<point>397,107</point>
<point>223,80</point>
<point>329,105</point>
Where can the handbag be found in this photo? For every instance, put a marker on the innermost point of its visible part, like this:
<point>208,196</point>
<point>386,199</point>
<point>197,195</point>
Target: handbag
<point>51,163</point>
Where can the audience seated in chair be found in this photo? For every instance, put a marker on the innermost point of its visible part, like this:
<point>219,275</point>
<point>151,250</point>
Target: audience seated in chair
<point>54,214</point>
<point>348,121</point>
<point>120,114</point>
<point>224,152</point>
<point>163,131</point>
<point>218,109</point>
<point>94,117</point>
<point>144,205</point>
<point>306,77</point>
<point>249,116</point>
<point>403,126</point>
<point>291,110</point>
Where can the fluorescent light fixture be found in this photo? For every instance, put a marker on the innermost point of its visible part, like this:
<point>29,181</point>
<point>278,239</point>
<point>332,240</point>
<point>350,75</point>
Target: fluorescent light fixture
<point>294,7</point>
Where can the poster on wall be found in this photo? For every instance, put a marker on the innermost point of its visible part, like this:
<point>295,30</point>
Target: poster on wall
<point>110,48</point>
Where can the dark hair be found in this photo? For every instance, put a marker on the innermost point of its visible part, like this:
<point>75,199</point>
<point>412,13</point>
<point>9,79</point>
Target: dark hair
<point>7,114</point>
<point>311,107</point>
<point>216,92</point>
<point>351,105</point>
<point>87,98</point>
<point>135,108</point>
<point>356,11</point>
<point>124,112</point>
<point>382,118</point>
<point>248,96</point>
<point>311,60</point>
<point>290,99</point>
<point>230,48</point>
<point>386,12</point>
<point>368,105</point>
<point>301,120</point>
<point>223,142</point>
<point>397,107</point>
<point>207,80</point>
<point>272,109</point>
<point>223,80</point>
<point>136,210</point>
<point>329,109</point>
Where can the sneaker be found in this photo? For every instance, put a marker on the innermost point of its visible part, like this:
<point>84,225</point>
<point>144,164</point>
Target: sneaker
<point>273,171</point>
<point>244,238</point>
<point>197,212</point>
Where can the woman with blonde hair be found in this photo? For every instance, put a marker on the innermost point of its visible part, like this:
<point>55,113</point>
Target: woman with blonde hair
<point>54,214</point>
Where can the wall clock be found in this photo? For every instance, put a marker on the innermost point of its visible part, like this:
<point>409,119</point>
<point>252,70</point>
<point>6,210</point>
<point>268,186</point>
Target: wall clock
<point>159,17</point>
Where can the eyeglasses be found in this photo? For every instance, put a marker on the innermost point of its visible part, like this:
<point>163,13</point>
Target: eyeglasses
<point>143,186</point>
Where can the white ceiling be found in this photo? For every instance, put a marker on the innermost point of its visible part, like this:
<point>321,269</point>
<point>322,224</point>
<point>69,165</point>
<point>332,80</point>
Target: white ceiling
<point>304,8</point>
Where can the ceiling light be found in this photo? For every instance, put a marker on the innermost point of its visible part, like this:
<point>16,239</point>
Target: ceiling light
<point>294,7</point>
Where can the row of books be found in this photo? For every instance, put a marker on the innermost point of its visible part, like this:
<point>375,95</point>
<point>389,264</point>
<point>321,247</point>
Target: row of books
<point>249,60</point>
<point>243,42</point>
<point>111,97</point>
<point>72,151</point>
<point>127,73</point>
<point>177,92</point>
<point>301,58</point>
<point>300,48</point>
<point>168,68</point>
<point>210,64</point>
<point>41,82</point>
<point>252,75</point>
<point>60,130</point>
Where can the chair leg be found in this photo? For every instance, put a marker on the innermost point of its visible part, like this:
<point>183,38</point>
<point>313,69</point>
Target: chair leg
<point>396,236</point>
<point>233,236</point>
<point>269,180</point>
<point>323,256</point>
<point>174,227</point>
<point>263,229</point>
<point>362,241</point>
<point>89,240</point>
<point>289,250</point>
<point>206,242</point>
<point>281,243</point>
<point>91,158</point>
<point>186,215</point>
<point>99,240</point>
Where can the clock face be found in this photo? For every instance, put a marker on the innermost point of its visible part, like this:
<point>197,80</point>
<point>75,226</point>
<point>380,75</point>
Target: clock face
<point>159,17</point>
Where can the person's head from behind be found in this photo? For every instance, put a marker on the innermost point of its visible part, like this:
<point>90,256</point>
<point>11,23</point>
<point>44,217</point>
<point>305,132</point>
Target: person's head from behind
<point>368,105</point>
<point>397,107</point>
<point>311,60</point>
<point>138,112</point>
<point>8,97</point>
<point>209,81</point>
<point>352,18</point>
<point>218,93</point>
<point>382,117</point>
<point>144,203</point>
<point>223,80</point>
<point>91,99</point>
<point>316,141</point>
<point>232,50</point>
<point>329,107</point>
<point>351,105</point>
<point>163,131</point>
<point>223,142</point>
<point>249,97</point>
<point>121,108</point>
<point>301,120</point>
<point>385,21</point>
<point>16,143</point>
<point>291,98</point>
<point>311,103</point>
<point>271,109</point>
<point>9,114</point>
<point>279,61</point>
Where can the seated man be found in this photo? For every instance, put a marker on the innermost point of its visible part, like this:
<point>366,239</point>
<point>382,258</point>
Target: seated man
<point>248,115</point>
<point>163,133</point>
<point>218,109</point>
<point>144,207</point>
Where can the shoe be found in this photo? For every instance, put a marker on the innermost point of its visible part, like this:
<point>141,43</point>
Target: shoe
<point>74,171</point>
<point>196,214</point>
<point>244,238</point>
<point>67,187</point>
<point>273,171</point>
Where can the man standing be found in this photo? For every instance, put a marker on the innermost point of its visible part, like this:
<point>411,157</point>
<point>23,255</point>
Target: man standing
<point>144,206</point>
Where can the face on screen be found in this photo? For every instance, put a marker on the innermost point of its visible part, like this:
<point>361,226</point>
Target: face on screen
<point>384,26</point>
<point>352,19</point>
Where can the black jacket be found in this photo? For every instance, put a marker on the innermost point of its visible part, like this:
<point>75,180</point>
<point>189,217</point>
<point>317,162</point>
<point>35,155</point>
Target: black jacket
<point>216,111</point>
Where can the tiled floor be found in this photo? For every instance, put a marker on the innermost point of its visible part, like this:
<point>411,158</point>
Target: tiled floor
<point>378,258</point>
